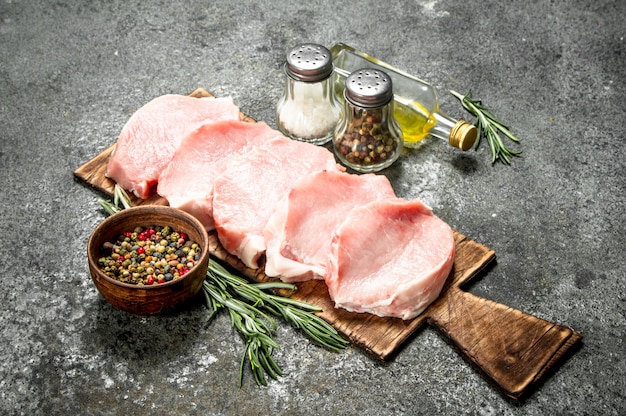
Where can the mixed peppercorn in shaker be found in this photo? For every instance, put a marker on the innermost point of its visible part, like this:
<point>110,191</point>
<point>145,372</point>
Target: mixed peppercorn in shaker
<point>368,138</point>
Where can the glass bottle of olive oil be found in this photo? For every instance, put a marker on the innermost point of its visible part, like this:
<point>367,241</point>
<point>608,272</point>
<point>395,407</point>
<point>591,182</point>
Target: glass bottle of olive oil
<point>416,107</point>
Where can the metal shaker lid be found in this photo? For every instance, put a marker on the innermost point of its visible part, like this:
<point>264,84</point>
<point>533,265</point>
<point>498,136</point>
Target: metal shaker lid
<point>309,62</point>
<point>369,88</point>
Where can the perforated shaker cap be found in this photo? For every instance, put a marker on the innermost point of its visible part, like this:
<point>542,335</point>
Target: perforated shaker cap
<point>309,62</point>
<point>369,88</point>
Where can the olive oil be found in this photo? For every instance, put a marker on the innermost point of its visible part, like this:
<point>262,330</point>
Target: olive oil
<point>415,121</point>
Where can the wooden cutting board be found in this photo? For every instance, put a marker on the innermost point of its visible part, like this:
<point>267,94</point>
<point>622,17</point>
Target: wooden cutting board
<point>512,349</point>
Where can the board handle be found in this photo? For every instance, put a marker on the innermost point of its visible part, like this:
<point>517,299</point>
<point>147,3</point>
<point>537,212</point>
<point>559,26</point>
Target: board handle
<point>513,349</point>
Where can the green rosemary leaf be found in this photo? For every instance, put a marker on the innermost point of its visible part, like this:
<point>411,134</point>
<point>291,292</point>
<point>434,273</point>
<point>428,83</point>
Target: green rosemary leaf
<point>121,196</point>
<point>249,305</point>
<point>488,127</point>
<point>108,207</point>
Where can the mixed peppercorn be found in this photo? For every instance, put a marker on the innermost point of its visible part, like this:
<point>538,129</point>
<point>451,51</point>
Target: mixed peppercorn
<point>365,141</point>
<point>147,256</point>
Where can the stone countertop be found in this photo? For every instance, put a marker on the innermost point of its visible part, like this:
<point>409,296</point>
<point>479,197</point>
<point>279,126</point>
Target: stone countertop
<point>71,75</point>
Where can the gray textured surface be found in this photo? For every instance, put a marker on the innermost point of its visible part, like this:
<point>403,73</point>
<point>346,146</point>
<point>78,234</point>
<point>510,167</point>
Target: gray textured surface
<point>72,73</point>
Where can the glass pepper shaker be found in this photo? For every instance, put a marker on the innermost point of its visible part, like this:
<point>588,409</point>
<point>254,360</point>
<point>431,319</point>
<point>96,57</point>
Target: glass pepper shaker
<point>308,110</point>
<point>367,138</point>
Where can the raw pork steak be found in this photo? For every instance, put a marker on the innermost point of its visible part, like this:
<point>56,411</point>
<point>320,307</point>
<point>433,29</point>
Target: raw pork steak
<point>248,190</point>
<point>149,139</point>
<point>187,182</point>
<point>299,232</point>
<point>390,258</point>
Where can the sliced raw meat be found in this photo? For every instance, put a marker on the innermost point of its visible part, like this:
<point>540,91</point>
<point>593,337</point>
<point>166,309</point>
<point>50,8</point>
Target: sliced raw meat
<point>390,258</point>
<point>247,192</point>
<point>299,232</point>
<point>151,136</point>
<point>187,182</point>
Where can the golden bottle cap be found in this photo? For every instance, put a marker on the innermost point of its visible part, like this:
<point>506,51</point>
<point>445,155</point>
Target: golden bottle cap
<point>462,135</point>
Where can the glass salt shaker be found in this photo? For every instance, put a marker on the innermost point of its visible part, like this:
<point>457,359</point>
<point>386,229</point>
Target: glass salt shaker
<point>368,138</point>
<point>308,110</point>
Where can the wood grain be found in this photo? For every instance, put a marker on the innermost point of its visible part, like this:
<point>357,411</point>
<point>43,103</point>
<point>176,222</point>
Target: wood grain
<point>512,349</point>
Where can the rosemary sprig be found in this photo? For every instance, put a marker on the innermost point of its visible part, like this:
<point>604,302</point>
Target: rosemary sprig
<point>297,313</point>
<point>119,196</point>
<point>252,324</point>
<point>489,127</point>
<point>250,317</point>
<point>251,307</point>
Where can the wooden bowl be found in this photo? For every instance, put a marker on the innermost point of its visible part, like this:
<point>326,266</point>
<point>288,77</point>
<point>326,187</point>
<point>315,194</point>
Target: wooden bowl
<point>158,298</point>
